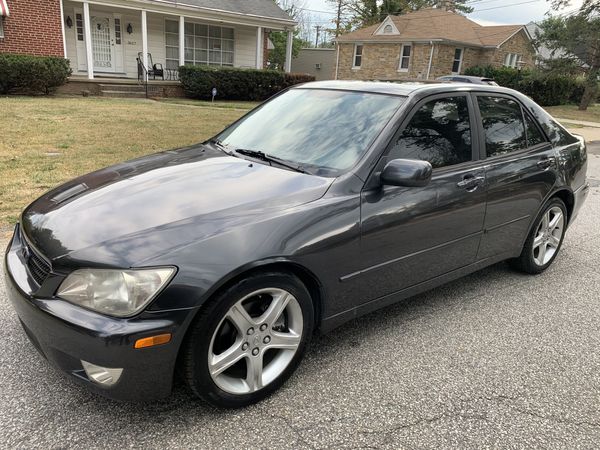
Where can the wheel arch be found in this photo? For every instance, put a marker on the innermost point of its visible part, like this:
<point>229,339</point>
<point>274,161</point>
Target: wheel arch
<point>307,277</point>
<point>568,198</point>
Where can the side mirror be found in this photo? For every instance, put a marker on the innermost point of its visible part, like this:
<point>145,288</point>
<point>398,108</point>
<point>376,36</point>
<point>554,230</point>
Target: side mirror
<point>406,172</point>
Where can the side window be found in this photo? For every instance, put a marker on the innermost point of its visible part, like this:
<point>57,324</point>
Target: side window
<point>439,132</point>
<point>502,125</point>
<point>534,135</point>
<point>358,49</point>
<point>557,134</point>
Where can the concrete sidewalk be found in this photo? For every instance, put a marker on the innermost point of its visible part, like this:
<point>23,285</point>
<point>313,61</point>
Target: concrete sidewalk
<point>580,122</point>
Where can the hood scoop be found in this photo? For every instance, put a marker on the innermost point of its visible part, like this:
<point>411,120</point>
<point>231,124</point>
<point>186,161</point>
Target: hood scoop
<point>69,193</point>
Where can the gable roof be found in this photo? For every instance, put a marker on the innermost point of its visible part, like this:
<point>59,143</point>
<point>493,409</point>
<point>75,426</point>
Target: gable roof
<point>437,25</point>
<point>259,8</point>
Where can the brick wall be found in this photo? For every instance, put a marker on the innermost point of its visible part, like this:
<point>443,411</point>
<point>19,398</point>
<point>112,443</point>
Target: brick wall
<point>517,44</point>
<point>34,28</point>
<point>380,61</point>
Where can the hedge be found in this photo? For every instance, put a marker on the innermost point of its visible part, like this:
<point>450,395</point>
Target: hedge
<point>546,89</point>
<point>236,84</point>
<point>32,74</point>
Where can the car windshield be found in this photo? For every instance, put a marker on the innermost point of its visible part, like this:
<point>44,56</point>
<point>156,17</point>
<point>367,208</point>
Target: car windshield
<point>325,129</point>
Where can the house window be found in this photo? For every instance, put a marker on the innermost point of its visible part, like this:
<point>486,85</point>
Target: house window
<point>79,26</point>
<point>358,50</point>
<point>1,27</point>
<point>405,52</point>
<point>117,31</point>
<point>172,44</point>
<point>387,29</point>
<point>512,60</point>
<point>458,54</point>
<point>204,44</point>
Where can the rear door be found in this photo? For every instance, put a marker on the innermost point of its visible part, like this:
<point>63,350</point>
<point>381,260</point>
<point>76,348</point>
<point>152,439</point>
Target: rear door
<point>521,170</point>
<point>413,234</point>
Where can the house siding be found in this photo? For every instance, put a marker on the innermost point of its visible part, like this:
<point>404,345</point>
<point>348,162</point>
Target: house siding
<point>33,28</point>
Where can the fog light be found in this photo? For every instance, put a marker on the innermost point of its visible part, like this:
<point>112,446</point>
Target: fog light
<point>101,375</point>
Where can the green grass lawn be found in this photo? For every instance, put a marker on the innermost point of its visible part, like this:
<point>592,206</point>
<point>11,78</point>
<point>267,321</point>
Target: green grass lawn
<point>49,140</point>
<point>571,112</point>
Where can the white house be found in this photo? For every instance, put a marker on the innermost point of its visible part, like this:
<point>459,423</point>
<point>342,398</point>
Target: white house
<point>103,38</point>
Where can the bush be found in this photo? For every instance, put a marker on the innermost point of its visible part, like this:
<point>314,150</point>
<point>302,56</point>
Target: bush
<point>297,78</point>
<point>235,84</point>
<point>545,88</point>
<point>32,74</point>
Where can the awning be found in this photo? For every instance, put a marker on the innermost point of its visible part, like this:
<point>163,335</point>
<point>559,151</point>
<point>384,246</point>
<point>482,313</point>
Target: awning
<point>4,9</point>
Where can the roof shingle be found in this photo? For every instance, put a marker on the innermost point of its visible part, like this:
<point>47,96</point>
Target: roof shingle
<point>436,24</point>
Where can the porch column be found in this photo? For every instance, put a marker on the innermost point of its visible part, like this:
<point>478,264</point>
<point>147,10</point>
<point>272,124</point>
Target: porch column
<point>145,43</point>
<point>62,29</point>
<point>88,40</point>
<point>288,51</point>
<point>259,46</point>
<point>181,40</point>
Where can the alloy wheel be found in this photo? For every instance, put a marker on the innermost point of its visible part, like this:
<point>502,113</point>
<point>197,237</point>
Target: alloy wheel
<point>548,236</point>
<point>255,341</point>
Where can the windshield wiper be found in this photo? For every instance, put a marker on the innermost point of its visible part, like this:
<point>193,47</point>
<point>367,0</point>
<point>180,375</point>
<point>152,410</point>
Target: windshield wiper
<point>270,159</point>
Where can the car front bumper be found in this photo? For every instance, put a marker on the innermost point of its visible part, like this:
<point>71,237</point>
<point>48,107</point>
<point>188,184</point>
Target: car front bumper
<point>68,336</point>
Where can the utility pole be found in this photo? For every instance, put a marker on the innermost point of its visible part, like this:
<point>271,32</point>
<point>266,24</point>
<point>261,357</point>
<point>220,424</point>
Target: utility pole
<point>318,27</point>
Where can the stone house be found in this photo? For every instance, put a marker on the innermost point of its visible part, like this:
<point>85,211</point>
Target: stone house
<point>427,44</point>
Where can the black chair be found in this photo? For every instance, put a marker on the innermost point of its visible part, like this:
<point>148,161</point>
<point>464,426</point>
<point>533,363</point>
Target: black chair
<point>154,70</point>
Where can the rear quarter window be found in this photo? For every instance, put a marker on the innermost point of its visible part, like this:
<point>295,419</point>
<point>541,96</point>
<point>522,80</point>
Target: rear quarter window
<point>555,132</point>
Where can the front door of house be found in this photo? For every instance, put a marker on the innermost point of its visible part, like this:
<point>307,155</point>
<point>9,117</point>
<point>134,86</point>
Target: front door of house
<point>103,43</point>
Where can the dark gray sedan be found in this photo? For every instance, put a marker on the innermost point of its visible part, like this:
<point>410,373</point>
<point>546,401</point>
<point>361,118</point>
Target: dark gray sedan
<point>219,261</point>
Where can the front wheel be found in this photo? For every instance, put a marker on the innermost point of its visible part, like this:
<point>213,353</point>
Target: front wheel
<point>545,239</point>
<point>248,341</point>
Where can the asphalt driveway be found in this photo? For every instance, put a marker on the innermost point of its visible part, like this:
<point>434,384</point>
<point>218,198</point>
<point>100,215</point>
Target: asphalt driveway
<point>497,359</point>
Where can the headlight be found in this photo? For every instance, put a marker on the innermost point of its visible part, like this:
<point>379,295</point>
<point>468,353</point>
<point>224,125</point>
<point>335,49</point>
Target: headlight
<point>114,292</point>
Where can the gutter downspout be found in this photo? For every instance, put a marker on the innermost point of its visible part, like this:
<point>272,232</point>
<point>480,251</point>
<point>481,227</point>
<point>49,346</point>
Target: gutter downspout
<point>430,58</point>
<point>337,60</point>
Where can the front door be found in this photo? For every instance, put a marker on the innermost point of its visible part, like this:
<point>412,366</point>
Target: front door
<point>414,234</point>
<point>103,43</point>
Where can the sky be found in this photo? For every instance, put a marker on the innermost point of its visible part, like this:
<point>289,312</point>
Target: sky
<point>503,12</point>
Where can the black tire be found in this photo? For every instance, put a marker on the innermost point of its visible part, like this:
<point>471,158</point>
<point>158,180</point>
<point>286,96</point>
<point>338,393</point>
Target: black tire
<point>526,262</point>
<point>198,340</point>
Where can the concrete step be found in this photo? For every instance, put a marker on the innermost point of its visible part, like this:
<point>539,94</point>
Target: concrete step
<point>123,94</point>
<point>121,87</point>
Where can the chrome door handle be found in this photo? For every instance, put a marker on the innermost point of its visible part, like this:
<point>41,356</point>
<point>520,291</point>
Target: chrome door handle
<point>470,183</point>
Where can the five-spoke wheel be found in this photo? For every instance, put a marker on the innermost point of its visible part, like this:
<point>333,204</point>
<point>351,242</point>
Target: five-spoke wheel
<point>248,340</point>
<point>255,341</point>
<point>544,240</point>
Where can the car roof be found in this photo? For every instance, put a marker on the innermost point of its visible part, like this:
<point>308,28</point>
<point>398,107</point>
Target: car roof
<point>403,89</point>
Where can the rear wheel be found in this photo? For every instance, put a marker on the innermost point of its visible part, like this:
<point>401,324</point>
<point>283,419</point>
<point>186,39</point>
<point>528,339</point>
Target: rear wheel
<point>249,340</point>
<point>545,239</point>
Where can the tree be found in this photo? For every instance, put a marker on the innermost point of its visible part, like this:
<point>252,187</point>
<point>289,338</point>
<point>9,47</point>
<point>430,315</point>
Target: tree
<point>578,38</point>
<point>276,56</point>
<point>588,8</point>
<point>370,12</point>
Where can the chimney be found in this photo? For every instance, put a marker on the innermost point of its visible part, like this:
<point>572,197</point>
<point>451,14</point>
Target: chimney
<point>446,5</point>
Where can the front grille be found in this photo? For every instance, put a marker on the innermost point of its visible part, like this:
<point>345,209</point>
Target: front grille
<point>38,267</point>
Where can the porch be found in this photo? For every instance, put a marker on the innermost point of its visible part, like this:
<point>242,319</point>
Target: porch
<point>104,39</point>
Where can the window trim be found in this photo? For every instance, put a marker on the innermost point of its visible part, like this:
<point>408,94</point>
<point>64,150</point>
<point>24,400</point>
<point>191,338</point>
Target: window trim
<point>1,27</point>
<point>508,60</point>
<point>481,131</point>
<point>354,54</point>
<point>400,69</point>
<point>460,61</point>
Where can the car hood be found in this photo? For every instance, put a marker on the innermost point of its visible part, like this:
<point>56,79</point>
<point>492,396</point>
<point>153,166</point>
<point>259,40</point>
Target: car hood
<point>129,208</point>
